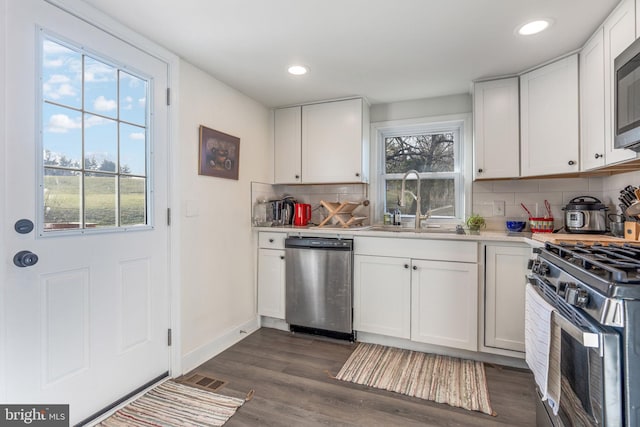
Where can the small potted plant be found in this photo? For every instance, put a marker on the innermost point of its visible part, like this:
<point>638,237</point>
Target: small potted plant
<point>475,222</point>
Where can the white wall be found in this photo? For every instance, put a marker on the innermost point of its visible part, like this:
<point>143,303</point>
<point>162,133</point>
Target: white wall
<point>425,107</point>
<point>217,275</point>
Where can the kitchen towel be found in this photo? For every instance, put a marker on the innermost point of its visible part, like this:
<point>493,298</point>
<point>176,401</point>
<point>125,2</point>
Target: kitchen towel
<point>543,358</point>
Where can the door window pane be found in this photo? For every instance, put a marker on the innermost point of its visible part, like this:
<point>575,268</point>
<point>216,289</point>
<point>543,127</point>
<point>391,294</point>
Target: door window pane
<point>100,143</point>
<point>132,150</point>
<point>61,74</point>
<point>94,147</point>
<point>133,99</point>
<point>62,136</point>
<point>100,88</point>
<point>132,200</point>
<point>100,200</point>
<point>62,198</point>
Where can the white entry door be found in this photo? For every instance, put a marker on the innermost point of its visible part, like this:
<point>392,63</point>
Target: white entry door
<point>84,152</point>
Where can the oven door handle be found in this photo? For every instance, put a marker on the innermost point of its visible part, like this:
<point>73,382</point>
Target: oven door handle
<point>586,339</point>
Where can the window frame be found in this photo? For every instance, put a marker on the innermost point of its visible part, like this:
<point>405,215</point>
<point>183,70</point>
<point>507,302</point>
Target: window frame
<point>462,169</point>
<point>44,34</point>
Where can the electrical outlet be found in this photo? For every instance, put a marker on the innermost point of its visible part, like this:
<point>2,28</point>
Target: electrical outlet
<point>498,208</point>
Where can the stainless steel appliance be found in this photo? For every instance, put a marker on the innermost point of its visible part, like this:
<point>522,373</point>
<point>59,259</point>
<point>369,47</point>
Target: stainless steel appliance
<point>319,286</point>
<point>595,292</point>
<point>627,98</point>
<point>585,214</point>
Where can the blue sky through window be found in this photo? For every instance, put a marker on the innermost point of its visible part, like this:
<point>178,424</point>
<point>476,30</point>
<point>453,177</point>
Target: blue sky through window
<point>115,105</point>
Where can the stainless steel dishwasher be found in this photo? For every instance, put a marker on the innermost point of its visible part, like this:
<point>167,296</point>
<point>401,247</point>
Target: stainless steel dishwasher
<point>319,286</point>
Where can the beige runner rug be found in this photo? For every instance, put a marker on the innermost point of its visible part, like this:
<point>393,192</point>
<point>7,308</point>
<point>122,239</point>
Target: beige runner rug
<point>174,404</point>
<point>443,379</point>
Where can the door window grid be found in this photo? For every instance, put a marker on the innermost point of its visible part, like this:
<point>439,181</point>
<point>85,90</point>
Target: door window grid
<point>94,147</point>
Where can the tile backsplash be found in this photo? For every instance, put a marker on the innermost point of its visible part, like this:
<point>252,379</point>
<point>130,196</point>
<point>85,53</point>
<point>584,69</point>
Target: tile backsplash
<point>488,196</point>
<point>313,194</point>
<point>533,193</point>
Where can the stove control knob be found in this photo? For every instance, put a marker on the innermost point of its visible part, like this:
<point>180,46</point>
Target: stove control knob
<point>562,288</point>
<point>576,296</point>
<point>543,269</point>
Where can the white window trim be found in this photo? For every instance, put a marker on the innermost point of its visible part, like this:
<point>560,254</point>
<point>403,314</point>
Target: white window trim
<point>381,129</point>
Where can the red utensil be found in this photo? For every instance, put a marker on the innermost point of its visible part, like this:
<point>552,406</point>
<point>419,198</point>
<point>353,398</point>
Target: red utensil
<point>548,207</point>
<point>526,210</point>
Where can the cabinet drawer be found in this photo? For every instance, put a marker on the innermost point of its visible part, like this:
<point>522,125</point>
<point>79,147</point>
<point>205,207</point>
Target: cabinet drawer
<point>271,240</point>
<point>439,250</point>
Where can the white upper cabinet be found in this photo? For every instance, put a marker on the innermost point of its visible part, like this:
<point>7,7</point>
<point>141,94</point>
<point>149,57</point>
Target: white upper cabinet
<point>619,33</point>
<point>592,105</point>
<point>496,129</point>
<point>287,145</point>
<point>322,143</point>
<point>335,142</point>
<point>549,119</point>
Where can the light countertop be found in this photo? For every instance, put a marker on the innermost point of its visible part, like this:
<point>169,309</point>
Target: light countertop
<point>405,233</point>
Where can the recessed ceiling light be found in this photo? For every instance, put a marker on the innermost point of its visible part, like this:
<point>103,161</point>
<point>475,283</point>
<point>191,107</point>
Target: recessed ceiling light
<point>534,27</point>
<point>297,70</point>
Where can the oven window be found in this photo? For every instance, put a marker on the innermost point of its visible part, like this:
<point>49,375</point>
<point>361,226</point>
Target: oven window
<point>581,396</point>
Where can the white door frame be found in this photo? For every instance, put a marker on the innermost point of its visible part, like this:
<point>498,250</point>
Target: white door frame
<point>94,17</point>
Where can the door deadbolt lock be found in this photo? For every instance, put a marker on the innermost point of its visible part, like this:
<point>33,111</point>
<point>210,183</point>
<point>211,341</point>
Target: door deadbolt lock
<point>25,259</point>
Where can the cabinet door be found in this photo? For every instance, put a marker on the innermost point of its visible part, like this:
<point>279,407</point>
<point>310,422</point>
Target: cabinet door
<point>619,33</point>
<point>506,267</point>
<point>496,129</point>
<point>332,141</point>
<point>444,303</point>
<point>287,145</point>
<point>592,111</point>
<point>382,295</point>
<point>549,118</point>
<point>271,276</point>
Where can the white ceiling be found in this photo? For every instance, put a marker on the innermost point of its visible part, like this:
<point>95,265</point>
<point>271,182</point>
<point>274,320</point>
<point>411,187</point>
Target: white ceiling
<point>385,50</point>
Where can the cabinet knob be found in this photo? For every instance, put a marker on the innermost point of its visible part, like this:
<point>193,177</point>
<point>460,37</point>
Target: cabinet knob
<point>281,256</point>
<point>480,170</point>
<point>597,156</point>
<point>571,163</point>
<point>297,176</point>
<point>357,174</point>
<point>415,267</point>
<point>406,266</point>
<point>270,240</point>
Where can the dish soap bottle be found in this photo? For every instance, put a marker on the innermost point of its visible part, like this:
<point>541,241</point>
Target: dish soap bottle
<point>396,217</point>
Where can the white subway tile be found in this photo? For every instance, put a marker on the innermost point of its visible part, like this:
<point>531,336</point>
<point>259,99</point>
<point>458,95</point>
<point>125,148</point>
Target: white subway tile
<point>564,184</point>
<point>517,186</point>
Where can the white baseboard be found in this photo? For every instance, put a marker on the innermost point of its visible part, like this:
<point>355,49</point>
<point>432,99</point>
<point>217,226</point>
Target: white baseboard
<point>205,352</point>
<point>273,323</point>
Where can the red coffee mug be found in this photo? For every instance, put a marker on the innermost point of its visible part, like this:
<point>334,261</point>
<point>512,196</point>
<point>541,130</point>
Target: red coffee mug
<point>301,214</point>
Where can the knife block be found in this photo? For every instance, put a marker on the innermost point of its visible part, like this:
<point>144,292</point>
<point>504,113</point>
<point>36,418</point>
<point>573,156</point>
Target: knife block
<point>631,230</point>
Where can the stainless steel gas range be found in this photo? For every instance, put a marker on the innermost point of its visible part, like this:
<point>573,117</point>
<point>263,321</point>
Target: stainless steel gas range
<point>595,293</point>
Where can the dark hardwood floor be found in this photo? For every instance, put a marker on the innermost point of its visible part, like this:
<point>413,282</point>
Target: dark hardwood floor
<point>288,373</point>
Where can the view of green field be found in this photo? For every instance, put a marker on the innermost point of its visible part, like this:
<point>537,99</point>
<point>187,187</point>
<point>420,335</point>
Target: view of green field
<point>62,199</point>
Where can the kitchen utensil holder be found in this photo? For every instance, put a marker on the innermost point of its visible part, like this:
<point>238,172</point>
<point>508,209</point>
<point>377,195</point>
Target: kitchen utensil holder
<point>541,224</point>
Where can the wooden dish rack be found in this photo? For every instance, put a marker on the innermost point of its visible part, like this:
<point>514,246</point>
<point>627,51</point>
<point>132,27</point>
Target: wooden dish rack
<point>343,213</point>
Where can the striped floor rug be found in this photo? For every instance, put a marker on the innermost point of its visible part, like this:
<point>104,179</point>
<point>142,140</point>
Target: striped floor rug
<point>173,404</point>
<point>456,382</point>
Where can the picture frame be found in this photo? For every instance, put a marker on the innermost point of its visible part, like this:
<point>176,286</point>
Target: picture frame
<point>219,154</point>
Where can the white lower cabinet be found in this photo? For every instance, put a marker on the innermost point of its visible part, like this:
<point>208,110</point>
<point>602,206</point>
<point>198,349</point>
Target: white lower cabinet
<point>271,275</point>
<point>444,303</point>
<point>505,269</point>
<point>428,301</point>
<point>382,295</point>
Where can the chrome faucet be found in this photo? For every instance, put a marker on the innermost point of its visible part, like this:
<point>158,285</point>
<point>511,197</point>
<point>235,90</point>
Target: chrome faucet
<point>417,198</point>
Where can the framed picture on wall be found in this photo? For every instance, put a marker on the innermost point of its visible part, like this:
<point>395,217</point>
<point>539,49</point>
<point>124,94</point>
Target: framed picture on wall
<point>219,154</point>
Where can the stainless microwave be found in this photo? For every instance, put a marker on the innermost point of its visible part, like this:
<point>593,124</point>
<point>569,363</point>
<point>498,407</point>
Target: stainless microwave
<point>627,98</point>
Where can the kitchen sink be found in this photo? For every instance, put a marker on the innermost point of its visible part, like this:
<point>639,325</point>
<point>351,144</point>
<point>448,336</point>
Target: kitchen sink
<point>428,230</point>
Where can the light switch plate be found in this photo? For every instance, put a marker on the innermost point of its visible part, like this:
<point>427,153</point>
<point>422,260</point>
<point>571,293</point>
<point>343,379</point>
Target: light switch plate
<point>498,207</point>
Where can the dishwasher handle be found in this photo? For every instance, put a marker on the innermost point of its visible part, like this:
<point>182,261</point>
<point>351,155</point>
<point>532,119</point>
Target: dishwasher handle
<point>319,243</point>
